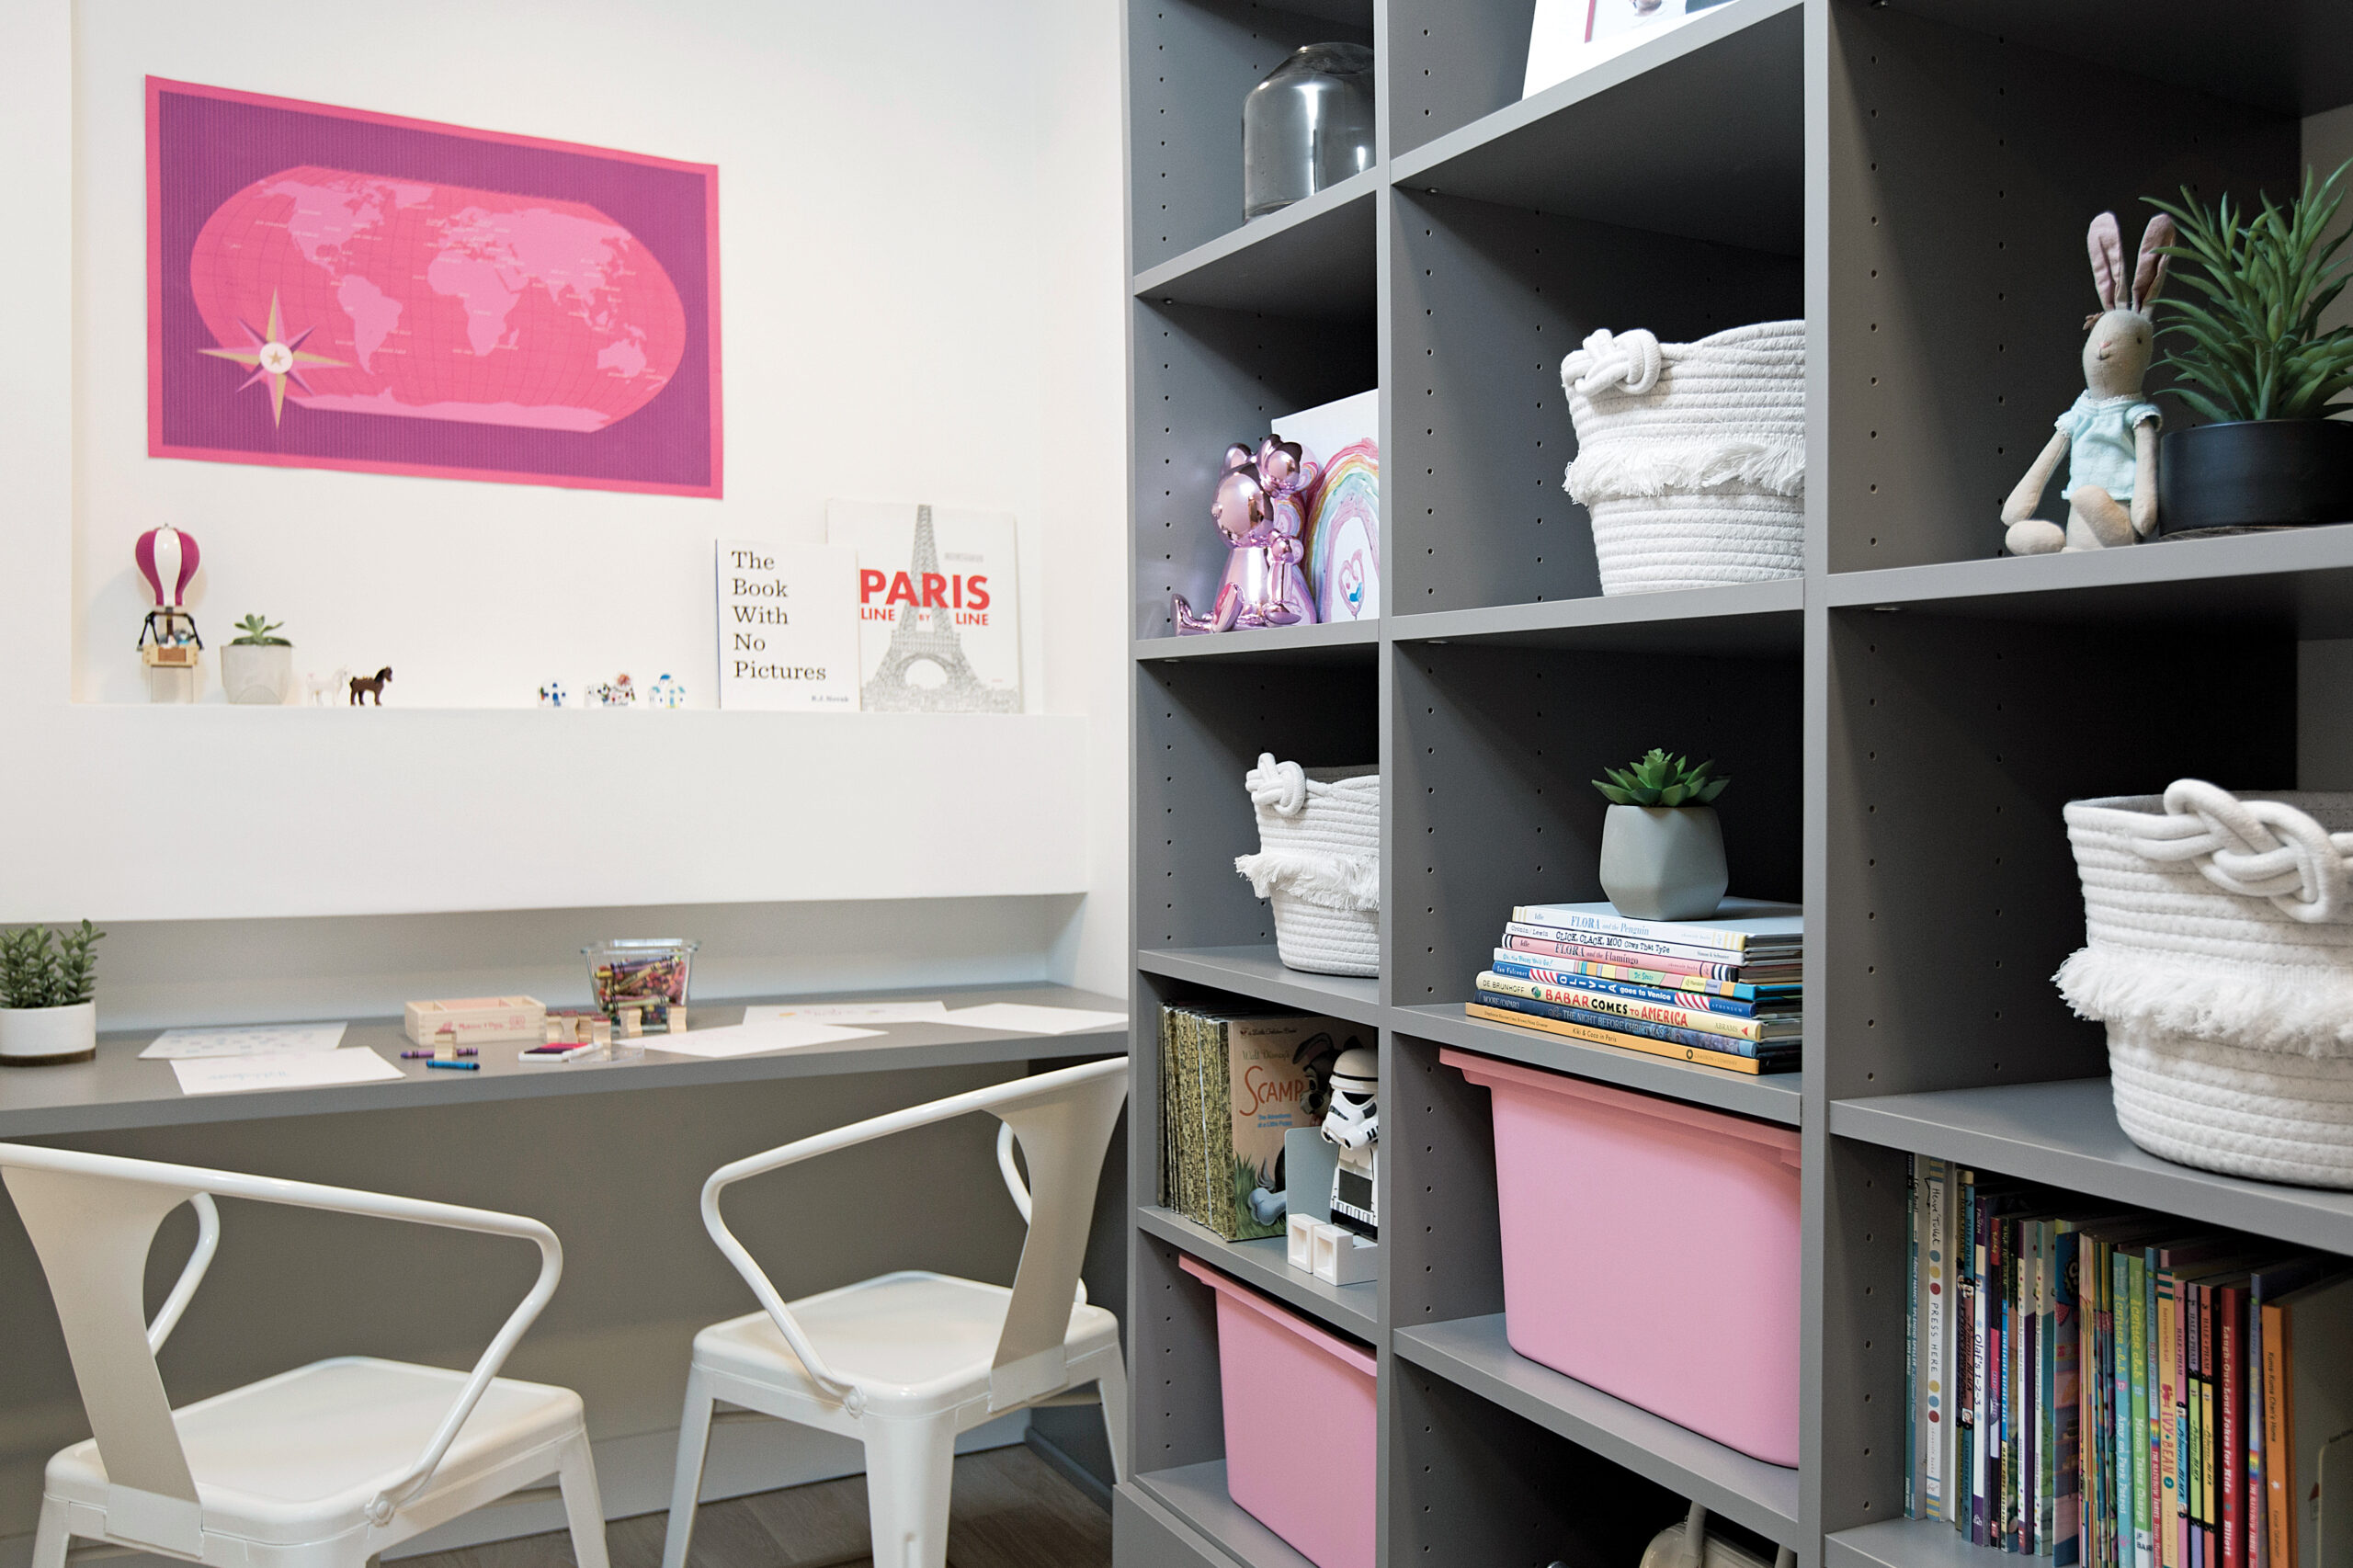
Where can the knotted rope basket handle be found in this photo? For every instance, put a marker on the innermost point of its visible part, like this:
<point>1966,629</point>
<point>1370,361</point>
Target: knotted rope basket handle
<point>1281,785</point>
<point>1630,358</point>
<point>2255,848</point>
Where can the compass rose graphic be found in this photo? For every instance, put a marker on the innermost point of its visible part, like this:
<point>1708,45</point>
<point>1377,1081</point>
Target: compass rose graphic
<point>273,358</point>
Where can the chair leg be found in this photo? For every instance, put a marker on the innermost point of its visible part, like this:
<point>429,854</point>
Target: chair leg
<point>1111,1387</point>
<point>583,1510</point>
<point>910,1468</point>
<point>50,1539</point>
<point>694,1439</point>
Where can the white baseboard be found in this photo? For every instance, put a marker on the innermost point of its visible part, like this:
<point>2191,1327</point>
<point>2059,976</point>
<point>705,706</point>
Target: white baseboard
<point>747,1455</point>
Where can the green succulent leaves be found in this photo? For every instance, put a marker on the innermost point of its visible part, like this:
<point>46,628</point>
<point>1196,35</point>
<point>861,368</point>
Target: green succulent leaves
<point>255,633</point>
<point>1659,780</point>
<point>2253,344</point>
<point>40,968</point>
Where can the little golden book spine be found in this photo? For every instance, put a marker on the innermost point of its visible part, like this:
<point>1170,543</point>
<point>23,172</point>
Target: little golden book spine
<point>1722,1058</point>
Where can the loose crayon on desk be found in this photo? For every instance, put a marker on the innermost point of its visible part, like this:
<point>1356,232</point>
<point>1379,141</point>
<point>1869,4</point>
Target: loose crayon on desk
<point>428,1055</point>
<point>449,1066</point>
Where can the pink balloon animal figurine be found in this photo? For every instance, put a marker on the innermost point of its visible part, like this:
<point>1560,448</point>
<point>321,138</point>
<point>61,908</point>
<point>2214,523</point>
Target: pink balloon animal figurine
<point>1261,509</point>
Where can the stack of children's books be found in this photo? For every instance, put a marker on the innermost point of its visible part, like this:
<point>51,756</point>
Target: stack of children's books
<point>2112,1388</point>
<point>1723,991</point>
<point>1233,1079</point>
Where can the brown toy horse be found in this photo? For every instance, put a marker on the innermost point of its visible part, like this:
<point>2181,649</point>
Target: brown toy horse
<point>363,687</point>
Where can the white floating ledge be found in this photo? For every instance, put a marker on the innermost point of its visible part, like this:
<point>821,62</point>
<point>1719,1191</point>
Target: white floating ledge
<point>215,812</point>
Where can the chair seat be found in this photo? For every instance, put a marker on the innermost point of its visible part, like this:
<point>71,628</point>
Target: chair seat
<point>298,1457</point>
<point>914,1341</point>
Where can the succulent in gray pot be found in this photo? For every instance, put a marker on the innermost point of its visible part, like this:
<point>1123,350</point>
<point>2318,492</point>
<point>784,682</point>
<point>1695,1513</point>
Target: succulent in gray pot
<point>257,665</point>
<point>2254,359</point>
<point>1662,848</point>
<point>48,982</point>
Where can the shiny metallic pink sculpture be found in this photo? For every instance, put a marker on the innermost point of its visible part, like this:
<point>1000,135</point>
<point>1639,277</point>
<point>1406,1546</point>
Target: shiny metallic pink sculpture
<point>1261,509</point>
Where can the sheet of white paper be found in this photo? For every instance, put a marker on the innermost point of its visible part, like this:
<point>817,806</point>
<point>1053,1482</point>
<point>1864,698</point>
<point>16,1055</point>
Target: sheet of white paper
<point>287,1070</point>
<point>850,1013</point>
<point>244,1039</point>
<point>1020,1017</point>
<point>750,1039</point>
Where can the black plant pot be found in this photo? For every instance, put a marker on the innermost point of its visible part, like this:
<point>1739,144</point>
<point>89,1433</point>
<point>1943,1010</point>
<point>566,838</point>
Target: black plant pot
<point>2255,474</point>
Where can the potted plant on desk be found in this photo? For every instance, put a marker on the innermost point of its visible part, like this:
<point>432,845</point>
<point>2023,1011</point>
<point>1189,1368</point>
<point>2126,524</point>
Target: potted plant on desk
<point>2257,363</point>
<point>47,982</point>
<point>257,667</point>
<point>1662,848</point>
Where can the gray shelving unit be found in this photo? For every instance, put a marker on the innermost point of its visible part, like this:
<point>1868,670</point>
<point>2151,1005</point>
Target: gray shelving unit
<point>1903,722</point>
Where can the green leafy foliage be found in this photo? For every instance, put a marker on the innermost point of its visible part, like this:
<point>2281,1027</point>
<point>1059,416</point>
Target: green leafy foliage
<point>255,633</point>
<point>42,968</point>
<point>1659,780</point>
<point>2254,348</point>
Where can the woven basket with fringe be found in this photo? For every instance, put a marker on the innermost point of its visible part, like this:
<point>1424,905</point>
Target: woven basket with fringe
<point>1318,863</point>
<point>1692,456</point>
<point>2220,959</point>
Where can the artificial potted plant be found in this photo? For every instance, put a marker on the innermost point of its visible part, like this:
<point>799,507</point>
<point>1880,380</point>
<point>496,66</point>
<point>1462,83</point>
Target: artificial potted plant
<point>258,666</point>
<point>47,982</point>
<point>2255,361</point>
<point>1662,848</point>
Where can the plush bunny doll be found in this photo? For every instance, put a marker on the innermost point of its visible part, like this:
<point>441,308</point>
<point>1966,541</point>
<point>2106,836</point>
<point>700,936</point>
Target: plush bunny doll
<point>2110,437</point>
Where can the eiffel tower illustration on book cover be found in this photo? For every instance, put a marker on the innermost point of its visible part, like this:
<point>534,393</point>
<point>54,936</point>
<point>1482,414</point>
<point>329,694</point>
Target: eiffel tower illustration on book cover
<point>920,636</point>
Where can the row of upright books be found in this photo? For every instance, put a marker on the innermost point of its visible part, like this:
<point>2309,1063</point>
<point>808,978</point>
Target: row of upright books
<point>2117,1390</point>
<point>1723,991</point>
<point>1233,1080</point>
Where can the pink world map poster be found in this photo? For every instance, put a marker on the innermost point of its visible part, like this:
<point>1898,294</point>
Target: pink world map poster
<point>328,288</point>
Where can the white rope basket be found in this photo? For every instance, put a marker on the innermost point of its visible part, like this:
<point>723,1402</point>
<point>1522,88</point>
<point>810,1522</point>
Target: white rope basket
<point>1318,863</point>
<point>2220,959</point>
<point>1692,456</point>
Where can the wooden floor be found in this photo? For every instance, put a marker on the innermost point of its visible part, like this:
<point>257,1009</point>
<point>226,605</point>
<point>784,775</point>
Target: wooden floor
<point>1011,1509</point>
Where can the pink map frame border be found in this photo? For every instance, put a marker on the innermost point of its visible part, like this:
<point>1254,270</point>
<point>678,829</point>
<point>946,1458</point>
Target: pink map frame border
<point>678,451</point>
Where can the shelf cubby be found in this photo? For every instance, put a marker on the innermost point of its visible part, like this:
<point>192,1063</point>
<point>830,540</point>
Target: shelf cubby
<point>1190,63</point>
<point>1259,974</point>
<point>1206,378</point>
<point>1488,300</point>
<point>1194,1495</point>
<point>1314,259</point>
<point>1954,744</point>
<point>1479,1483</point>
<point>1963,167</point>
<point>1733,618</point>
<point>1769,1097</point>
<point>1353,1309</point>
<point>1492,753</point>
<point>1731,82</point>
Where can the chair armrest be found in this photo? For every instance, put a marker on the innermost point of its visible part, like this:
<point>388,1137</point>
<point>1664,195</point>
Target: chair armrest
<point>208,1241</point>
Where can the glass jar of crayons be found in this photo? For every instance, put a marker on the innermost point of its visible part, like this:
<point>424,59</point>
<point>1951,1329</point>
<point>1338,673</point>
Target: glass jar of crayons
<point>640,982</point>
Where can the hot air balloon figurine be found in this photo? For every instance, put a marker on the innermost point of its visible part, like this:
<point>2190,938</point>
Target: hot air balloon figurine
<point>167,559</point>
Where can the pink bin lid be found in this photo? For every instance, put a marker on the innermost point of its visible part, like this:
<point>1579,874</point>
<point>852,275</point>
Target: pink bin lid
<point>1338,1349</point>
<point>1487,1071</point>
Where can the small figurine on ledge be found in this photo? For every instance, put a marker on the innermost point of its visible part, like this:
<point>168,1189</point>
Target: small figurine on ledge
<point>1260,510</point>
<point>168,639</point>
<point>365,687</point>
<point>2110,437</point>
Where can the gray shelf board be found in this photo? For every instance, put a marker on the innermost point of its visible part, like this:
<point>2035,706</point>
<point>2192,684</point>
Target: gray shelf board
<point>1773,1097</point>
<point>1257,971</point>
<point>1745,619</point>
<point>1352,1308</point>
<point>2064,1134</point>
<point>1720,155</point>
<point>2294,56</point>
<point>1337,642</point>
<point>1906,1543</point>
<point>1474,1354</point>
<point>2300,579</point>
<point>1195,1495</point>
<point>1314,259</point>
<point>118,1090</point>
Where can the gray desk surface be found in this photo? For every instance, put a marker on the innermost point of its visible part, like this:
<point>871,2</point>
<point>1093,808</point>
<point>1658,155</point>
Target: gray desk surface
<point>116,1090</point>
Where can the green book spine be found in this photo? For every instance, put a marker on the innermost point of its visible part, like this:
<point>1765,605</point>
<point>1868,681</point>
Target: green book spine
<point>2136,1275</point>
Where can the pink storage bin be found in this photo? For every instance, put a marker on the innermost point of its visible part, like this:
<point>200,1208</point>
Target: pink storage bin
<point>1299,1424</point>
<point>1651,1250</point>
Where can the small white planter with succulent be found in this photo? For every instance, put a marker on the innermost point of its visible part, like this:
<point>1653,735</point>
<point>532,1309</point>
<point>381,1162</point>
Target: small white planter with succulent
<point>1662,848</point>
<point>258,666</point>
<point>47,985</point>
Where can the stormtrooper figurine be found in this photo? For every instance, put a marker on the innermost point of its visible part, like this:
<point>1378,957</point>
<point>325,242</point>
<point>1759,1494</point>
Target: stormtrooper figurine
<point>1353,1125</point>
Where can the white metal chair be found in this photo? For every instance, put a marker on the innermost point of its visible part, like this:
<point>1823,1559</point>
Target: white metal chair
<point>906,1362</point>
<point>320,1467</point>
